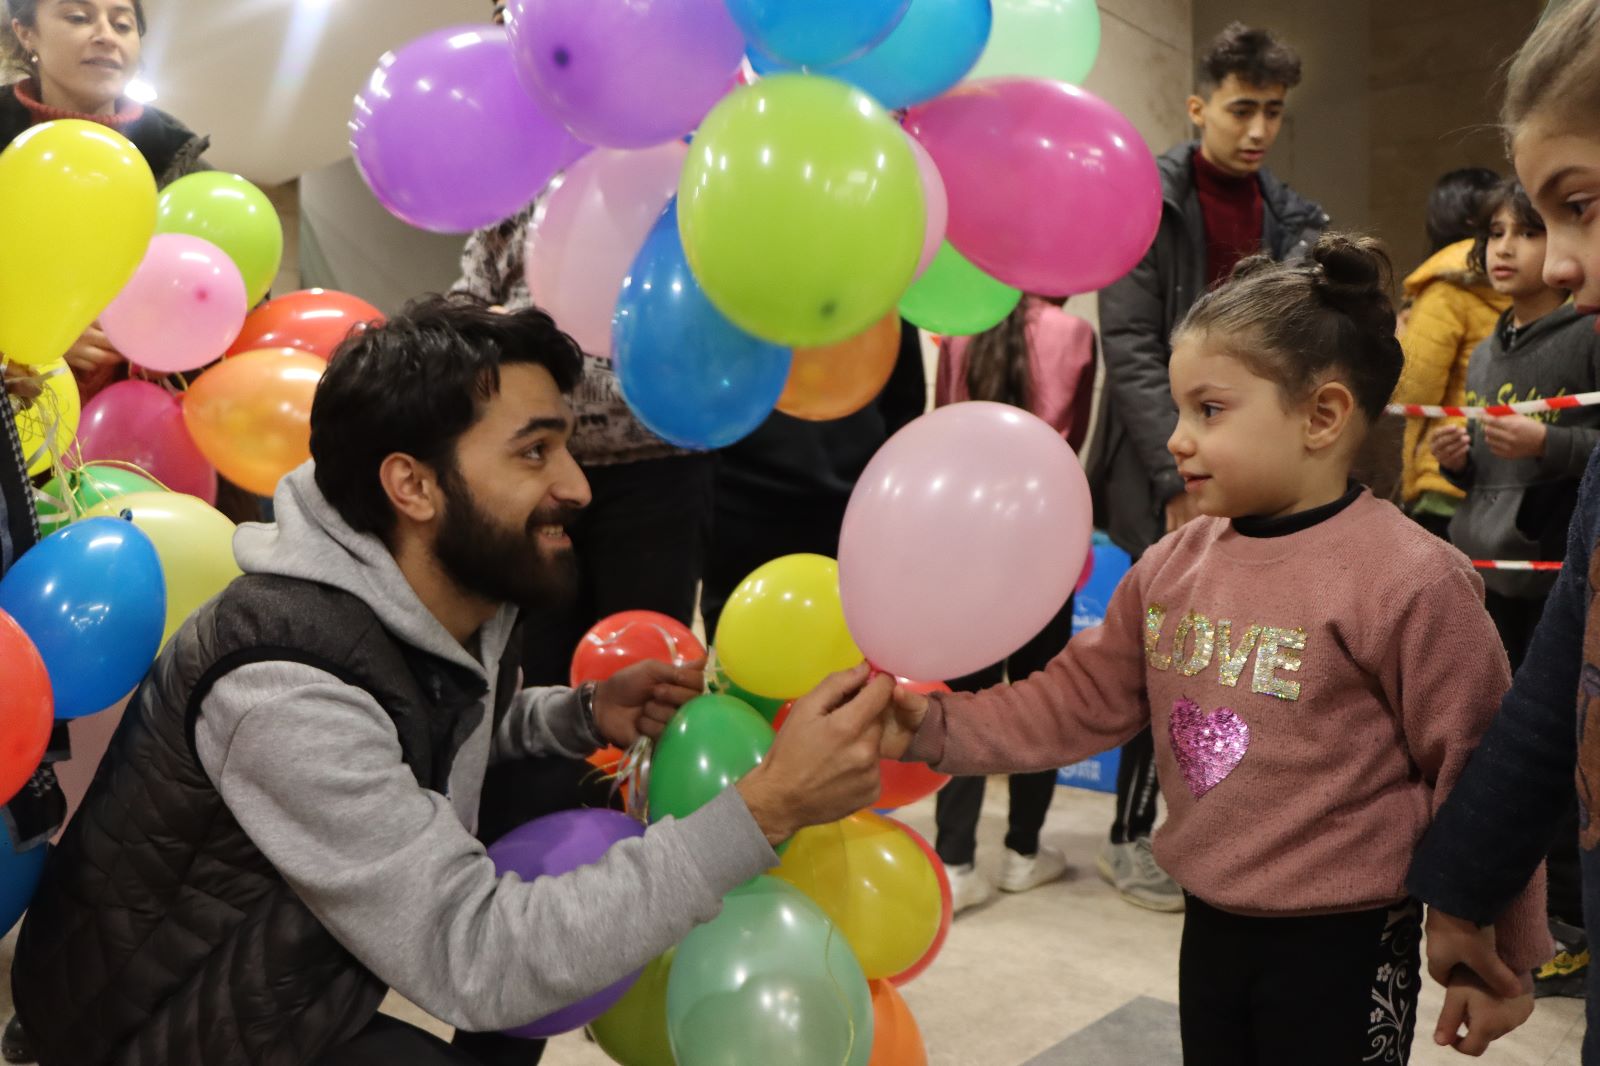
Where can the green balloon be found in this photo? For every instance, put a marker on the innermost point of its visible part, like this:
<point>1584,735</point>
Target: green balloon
<point>765,706</point>
<point>634,1032</point>
<point>711,743</point>
<point>233,215</point>
<point>1053,39</point>
<point>801,210</point>
<point>89,486</point>
<point>770,980</point>
<point>954,298</point>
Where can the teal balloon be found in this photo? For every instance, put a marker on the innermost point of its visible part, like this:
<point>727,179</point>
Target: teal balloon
<point>772,981</point>
<point>711,743</point>
<point>933,48</point>
<point>691,376</point>
<point>814,33</point>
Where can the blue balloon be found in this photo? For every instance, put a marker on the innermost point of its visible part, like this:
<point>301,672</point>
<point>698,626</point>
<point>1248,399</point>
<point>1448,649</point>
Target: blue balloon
<point>815,33</point>
<point>19,879</point>
<point>93,600</point>
<point>930,51</point>
<point>691,376</point>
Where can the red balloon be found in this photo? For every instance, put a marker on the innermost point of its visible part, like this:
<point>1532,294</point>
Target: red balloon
<point>631,637</point>
<point>26,708</point>
<point>915,970</point>
<point>1088,570</point>
<point>906,782</point>
<point>315,321</point>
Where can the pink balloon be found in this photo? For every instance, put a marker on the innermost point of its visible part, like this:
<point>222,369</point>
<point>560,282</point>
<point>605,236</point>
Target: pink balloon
<point>587,232</point>
<point>989,498</point>
<point>1051,189</point>
<point>183,308</point>
<point>141,423</point>
<point>936,201</point>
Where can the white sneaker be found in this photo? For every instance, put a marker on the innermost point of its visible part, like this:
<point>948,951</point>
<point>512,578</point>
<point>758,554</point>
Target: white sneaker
<point>1022,872</point>
<point>1132,870</point>
<point>968,888</point>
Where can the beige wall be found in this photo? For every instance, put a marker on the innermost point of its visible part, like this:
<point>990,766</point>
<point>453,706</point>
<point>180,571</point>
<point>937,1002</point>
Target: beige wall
<point>1433,90</point>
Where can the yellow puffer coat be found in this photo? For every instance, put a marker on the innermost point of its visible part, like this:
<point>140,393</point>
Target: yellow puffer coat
<point>1452,310</point>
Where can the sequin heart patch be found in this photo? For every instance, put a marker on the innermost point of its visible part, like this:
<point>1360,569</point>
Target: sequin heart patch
<point>1208,746</point>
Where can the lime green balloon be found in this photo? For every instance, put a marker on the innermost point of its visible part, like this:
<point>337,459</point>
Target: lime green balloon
<point>801,210</point>
<point>954,298</point>
<point>772,981</point>
<point>233,215</point>
<point>89,486</point>
<point>712,742</point>
<point>765,706</point>
<point>1053,39</point>
<point>634,1032</point>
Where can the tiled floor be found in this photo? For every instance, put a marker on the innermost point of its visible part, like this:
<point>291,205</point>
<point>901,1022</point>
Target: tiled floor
<point>1021,976</point>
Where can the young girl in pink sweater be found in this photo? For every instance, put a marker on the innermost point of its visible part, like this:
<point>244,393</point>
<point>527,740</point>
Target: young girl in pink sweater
<point>1316,669</point>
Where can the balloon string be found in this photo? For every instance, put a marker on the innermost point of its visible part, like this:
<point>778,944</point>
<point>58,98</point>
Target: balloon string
<point>44,414</point>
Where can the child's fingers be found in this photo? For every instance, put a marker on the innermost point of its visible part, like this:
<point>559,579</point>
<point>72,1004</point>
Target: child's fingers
<point>1451,1017</point>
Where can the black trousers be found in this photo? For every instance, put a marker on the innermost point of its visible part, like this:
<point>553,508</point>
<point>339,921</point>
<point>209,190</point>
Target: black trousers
<point>1515,619</point>
<point>387,1042</point>
<point>1137,790</point>
<point>742,541</point>
<point>1325,990</point>
<point>641,546</point>
<point>959,804</point>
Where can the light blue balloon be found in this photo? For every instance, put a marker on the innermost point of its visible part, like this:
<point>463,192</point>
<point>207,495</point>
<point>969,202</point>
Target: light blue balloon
<point>815,33</point>
<point>93,601</point>
<point>693,378</point>
<point>929,52</point>
<point>20,872</point>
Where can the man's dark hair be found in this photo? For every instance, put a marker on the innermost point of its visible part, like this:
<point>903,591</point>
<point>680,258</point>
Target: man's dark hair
<point>1456,204</point>
<point>1256,56</point>
<point>415,384</point>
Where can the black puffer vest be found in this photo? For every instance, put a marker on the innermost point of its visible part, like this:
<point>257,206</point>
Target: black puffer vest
<point>160,934</point>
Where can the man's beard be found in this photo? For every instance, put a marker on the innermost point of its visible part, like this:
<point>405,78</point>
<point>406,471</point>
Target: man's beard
<point>502,564</point>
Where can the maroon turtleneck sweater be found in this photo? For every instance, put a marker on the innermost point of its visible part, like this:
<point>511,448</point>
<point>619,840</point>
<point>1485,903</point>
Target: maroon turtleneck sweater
<point>1232,209</point>
<point>27,91</point>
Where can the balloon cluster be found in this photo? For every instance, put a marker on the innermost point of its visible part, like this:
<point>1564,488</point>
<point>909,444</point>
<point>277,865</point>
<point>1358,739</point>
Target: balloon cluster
<point>848,162</point>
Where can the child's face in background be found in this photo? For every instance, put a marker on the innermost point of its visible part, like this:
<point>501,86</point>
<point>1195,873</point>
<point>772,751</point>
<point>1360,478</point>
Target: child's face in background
<point>1514,256</point>
<point>1239,448</point>
<point>1560,168</point>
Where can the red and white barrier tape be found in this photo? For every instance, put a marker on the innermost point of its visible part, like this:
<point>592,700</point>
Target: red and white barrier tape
<point>1515,564</point>
<point>1526,407</point>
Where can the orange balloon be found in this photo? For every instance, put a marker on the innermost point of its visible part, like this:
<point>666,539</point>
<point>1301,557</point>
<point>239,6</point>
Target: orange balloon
<point>250,415</point>
<point>315,321</point>
<point>841,379</point>
<point>896,1040</point>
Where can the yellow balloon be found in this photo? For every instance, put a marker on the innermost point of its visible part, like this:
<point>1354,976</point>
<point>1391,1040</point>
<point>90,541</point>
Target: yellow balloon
<point>78,208</point>
<point>783,630</point>
<point>193,540</point>
<point>48,424</point>
<point>877,885</point>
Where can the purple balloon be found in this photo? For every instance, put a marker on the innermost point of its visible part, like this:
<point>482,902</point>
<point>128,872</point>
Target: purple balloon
<point>626,75</point>
<point>447,138</point>
<point>558,844</point>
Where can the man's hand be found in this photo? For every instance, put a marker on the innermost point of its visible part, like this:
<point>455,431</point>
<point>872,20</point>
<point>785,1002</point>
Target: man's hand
<point>824,763</point>
<point>1515,436</point>
<point>1181,510</point>
<point>1451,445</point>
<point>1487,1017</point>
<point>1454,942</point>
<point>641,699</point>
<point>93,359</point>
<point>909,708</point>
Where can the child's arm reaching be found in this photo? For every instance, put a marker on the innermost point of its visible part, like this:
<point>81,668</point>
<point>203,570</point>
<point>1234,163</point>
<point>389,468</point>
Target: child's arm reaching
<point>1088,699</point>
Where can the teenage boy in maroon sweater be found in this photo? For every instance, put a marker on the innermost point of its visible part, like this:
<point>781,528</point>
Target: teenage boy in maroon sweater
<point>1219,205</point>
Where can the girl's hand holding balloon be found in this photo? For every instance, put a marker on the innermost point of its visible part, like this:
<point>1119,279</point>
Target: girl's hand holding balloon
<point>93,360</point>
<point>22,382</point>
<point>909,709</point>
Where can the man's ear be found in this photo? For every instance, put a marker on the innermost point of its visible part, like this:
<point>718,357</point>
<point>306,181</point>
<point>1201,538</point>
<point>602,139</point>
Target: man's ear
<point>412,487</point>
<point>1196,107</point>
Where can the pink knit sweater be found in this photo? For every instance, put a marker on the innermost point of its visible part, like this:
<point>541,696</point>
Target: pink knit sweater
<point>1313,698</point>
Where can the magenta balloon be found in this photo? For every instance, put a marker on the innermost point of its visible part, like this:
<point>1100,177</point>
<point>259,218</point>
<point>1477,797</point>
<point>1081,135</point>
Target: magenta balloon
<point>936,201</point>
<point>626,75</point>
<point>551,846</point>
<point>1051,189</point>
<point>993,501</point>
<point>183,308</point>
<point>141,423</point>
<point>447,138</point>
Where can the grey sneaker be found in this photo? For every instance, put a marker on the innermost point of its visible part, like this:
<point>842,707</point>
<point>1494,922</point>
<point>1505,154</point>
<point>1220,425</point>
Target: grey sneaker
<point>1132,870</point>
<point>1021,872</point>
